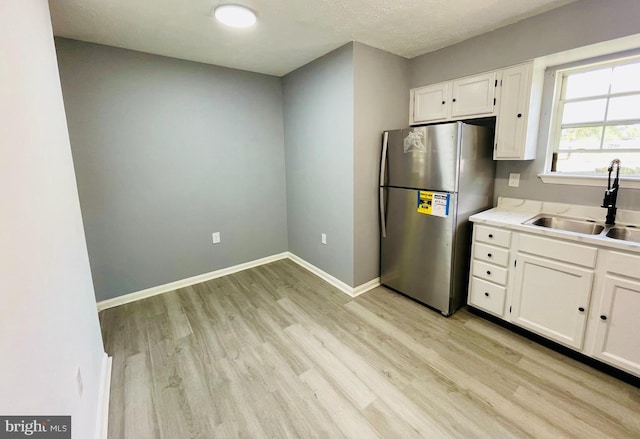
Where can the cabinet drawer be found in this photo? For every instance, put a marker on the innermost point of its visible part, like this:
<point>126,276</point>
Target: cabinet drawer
<point>487,296</point>
<point>493,236</point>
<point>490,272</point>
<point>624,264</point>
<point>559,250</point>
<point>489,253</point>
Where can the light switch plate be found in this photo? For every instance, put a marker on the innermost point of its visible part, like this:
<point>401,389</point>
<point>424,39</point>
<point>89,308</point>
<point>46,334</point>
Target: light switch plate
<point>514,180</point>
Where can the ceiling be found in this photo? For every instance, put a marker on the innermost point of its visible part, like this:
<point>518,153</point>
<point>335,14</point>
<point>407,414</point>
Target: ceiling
<point>289,33</point>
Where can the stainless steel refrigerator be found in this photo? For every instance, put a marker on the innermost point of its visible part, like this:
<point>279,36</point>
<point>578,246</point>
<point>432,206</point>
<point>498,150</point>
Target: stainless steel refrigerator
<point>432,178</point>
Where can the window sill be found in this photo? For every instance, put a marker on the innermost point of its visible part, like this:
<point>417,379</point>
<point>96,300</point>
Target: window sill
<point>589,180</point>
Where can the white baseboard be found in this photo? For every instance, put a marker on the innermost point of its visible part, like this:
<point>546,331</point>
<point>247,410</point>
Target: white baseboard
<point>361,289</point>
<point>102,419</point>
<point>349,290</point>
<point>322,274</point>
<point>161,289</point>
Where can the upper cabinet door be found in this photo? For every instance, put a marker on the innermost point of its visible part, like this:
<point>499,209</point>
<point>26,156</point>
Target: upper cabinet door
<point>513,116</point>
<point>430,104</point>
<point>474,96</point>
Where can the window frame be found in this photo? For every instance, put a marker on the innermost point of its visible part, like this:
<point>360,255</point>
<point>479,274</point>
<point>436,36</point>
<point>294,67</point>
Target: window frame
<point>555,120</point>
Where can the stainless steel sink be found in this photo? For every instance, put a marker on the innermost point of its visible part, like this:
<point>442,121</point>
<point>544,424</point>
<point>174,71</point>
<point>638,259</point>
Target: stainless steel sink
<point>624,233</point>
<point>586,227</point>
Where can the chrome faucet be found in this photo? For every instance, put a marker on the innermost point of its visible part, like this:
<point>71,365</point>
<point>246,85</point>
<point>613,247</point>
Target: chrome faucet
<point>611,194</point>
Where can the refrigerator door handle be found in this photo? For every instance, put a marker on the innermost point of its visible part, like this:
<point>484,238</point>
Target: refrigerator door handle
<point>383,220</point>
<point>383,159</point>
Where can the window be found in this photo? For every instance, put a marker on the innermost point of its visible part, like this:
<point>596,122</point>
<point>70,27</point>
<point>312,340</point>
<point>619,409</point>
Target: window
<point>597,119</point>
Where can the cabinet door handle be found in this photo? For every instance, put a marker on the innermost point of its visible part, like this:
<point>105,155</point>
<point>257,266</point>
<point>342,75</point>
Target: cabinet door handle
<point>603,317</point>
<point>490,235</point>
<point>519,114</point>
<point>444,102</point>
<point>488,273</point>
<point>581,309</point>
<point>486,294</point>
<point>489,255</point>
<point>454,99</point>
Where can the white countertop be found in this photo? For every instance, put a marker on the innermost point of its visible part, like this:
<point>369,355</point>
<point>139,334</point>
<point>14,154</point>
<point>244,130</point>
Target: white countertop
<point>511,213</point>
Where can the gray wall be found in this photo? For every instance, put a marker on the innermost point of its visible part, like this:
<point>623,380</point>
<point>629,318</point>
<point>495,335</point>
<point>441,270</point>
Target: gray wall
<point>167,152</point>
<point>381,103</point>
<point>578,24</point>
<point>318,120</point>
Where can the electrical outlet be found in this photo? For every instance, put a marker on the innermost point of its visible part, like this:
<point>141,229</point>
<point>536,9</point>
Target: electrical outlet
<point>514,180</point>
<point>216,237</point>
<point>323,238</point>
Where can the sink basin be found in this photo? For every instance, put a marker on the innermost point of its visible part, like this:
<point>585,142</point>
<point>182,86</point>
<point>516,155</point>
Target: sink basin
<point>570,225</point>
<point>624,233</point>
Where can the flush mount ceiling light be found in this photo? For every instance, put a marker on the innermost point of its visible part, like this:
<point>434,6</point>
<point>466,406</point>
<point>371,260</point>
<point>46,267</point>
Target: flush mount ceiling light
<point>235,15</point>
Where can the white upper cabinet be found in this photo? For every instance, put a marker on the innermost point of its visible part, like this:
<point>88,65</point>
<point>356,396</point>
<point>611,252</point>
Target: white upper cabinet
<point>513,95</point>
<point>464,98</point>
<point>518,112</point>
<point>473,96</point>
<point>430,104</point>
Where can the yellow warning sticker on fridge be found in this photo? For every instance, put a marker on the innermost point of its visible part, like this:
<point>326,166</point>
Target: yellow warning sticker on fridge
<point>433,203</point>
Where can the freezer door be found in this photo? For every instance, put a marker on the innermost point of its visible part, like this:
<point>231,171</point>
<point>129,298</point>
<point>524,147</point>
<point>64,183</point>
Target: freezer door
<point>416,254</point>
<point>423,157</point>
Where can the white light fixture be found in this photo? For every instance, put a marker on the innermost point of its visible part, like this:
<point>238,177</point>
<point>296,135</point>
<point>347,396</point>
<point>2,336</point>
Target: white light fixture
<point>235,15</point>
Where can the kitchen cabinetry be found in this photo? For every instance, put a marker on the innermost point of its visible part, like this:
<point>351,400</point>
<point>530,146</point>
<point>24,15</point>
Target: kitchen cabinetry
<point>430,104</point>
<point>518,113</point>
<point>579,295</point>
<point>473,96</point>
<point>489,273</point>
<point>552,288</point>
<point>615,319</point>
<point>464,98</point>
<point>512,94</point>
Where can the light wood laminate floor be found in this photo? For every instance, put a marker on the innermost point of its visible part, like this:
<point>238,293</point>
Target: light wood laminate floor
<point>275,352</point>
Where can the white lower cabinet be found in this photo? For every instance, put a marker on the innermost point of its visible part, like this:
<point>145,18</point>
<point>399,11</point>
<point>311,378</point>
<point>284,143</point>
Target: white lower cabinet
<point>551,298</point>
<point>582,296</point>
<point>616,319</point>
<point>489,269</point>
<point>487,296</point>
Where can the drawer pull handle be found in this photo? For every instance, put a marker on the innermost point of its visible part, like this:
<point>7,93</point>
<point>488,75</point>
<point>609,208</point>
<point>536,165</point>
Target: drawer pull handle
<point>488,273</point>
<point>490,235</point>
<point>489,255</point>
<point>581,309</point>
<point>486,294</point>
<point>603,317</point>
